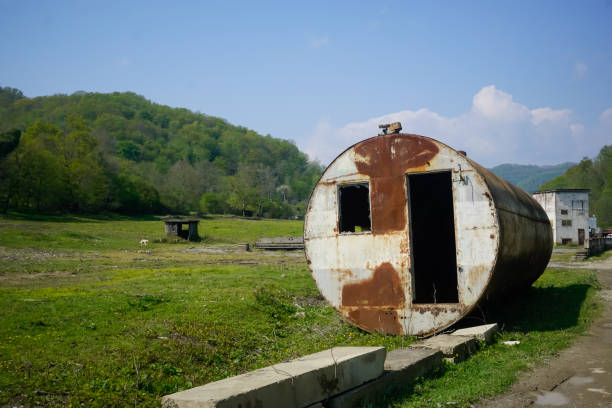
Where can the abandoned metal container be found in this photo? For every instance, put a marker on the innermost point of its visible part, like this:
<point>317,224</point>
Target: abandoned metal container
<point>405,235</point>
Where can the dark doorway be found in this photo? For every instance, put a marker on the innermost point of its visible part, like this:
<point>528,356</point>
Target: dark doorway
<point>580,237</point>
<point>354,207</point>
<point>432,237</point>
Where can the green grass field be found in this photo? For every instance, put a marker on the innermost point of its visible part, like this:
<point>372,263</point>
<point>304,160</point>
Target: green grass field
<point>91,318</point>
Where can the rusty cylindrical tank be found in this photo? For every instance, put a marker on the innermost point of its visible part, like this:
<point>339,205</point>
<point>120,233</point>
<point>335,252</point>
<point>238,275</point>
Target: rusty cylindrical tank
<point>404,235</point>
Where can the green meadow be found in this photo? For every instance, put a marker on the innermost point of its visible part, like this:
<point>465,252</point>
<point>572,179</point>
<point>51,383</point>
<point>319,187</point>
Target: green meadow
<point>92,318</point>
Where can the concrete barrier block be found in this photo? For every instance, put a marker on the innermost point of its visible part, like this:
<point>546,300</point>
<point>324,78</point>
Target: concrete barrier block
<point>485,332</point>
<point>454,348</point>
<point>402,366</point>
<point>409,363</point>
<point>297,383</point>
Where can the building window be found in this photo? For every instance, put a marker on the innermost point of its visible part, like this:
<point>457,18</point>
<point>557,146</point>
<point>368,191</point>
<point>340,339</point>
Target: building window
<point>354,207</point>
<point>563,212</point>
<point>566,223</point>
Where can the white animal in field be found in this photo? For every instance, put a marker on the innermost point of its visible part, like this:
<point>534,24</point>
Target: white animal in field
<point>144,242</point>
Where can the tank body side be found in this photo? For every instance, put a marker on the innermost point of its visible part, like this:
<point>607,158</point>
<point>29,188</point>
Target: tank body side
<point>526,241</point>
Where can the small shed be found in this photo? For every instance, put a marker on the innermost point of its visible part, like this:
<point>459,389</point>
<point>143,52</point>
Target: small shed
<point>186,228</point>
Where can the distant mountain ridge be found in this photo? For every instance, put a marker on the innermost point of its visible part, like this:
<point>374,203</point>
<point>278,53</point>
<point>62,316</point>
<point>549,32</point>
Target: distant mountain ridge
<point>530,177</point>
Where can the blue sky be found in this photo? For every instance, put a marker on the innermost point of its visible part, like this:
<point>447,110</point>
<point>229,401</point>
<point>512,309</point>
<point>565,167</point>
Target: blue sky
<point>522,82</point>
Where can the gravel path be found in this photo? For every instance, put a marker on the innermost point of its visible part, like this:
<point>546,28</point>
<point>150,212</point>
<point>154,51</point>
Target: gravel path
<point>582,375</point>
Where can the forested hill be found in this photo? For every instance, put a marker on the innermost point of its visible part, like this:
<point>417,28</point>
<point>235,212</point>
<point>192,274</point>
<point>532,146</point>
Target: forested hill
<point>594,174</point>
<point>529,177</point>
<point>120,152</point>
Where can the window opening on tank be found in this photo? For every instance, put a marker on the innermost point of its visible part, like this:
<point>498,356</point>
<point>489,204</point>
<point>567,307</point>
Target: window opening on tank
<point>354,208</point>
<point>432,237</point>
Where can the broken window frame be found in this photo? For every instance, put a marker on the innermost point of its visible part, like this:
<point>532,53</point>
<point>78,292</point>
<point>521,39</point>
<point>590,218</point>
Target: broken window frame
<point>365,184</point>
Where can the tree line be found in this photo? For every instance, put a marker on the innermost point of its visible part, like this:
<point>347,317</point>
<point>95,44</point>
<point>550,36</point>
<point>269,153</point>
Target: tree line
<point>596,175</point>
<point>91,152</point>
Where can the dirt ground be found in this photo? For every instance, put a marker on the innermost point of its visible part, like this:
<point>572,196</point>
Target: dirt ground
<point>582,375</point>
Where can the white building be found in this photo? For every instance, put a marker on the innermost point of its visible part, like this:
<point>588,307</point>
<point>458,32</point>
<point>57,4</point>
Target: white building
<point>568,211</point>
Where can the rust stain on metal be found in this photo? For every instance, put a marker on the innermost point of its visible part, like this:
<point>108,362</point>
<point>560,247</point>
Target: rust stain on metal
<point>404,246</point>
<point>343,274</point>
<point>474,275</point>
<point>388,204</point>
<point>434,309</point>
<point>385,160</point>
<point>384,288</point>
<point>376,320</point>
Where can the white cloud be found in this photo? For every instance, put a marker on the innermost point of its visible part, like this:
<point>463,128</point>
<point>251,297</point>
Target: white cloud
<point>494,104</point>
<point>317,138</point>
<point>318,42</point>
<point>580,69</point>
<point>539,115</point>
<point>495,130</point>
<point>577,129</point>
<point>606,116</point>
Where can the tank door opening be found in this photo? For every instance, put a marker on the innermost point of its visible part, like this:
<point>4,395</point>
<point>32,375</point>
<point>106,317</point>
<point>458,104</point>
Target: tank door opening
<point>432,237</point>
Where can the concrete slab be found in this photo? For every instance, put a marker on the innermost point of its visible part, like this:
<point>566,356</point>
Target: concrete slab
<point>485,332</point>
<point>454,348</point>
<point>412,362</point>
<point>297,383</point>
<point>401,367</point>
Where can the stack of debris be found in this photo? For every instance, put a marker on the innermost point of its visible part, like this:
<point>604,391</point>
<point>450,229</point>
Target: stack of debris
<point>280,243</point>
<point>581,254</point>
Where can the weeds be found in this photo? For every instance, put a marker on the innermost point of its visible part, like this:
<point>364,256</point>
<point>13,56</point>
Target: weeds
<point>90,318</point>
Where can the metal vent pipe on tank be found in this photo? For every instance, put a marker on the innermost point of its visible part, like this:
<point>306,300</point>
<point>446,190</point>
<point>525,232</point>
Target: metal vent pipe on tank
<point>405,235</point>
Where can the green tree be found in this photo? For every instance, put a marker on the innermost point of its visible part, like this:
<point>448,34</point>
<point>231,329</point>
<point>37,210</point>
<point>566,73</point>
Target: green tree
<point>35,172</point>
<point>9,141</point>
<point>86,183</point>
<point>128,150</point>
<point>213,203</point>
<point>595,175</point>
<point>9,95</point>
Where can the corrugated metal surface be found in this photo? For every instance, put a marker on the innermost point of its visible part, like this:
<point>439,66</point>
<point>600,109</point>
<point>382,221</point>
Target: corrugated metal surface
<point>503,237</point>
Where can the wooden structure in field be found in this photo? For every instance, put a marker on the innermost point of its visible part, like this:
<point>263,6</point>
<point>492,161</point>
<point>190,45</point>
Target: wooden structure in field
<point>280,243</point>
<point>186,228</point>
